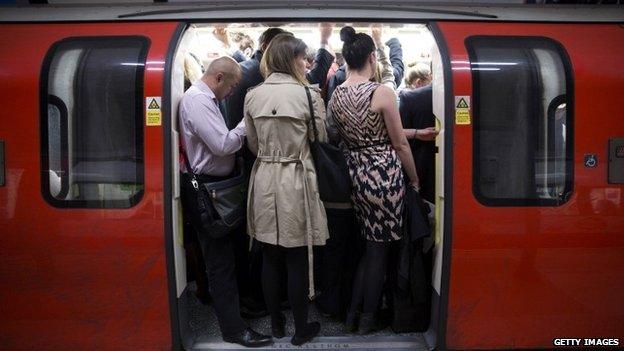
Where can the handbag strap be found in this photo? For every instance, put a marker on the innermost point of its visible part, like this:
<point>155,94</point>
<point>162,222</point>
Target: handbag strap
<point>312,117</point>
<point>188,165</point>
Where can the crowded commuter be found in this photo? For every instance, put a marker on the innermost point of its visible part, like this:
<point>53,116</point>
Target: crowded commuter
<point>415,107</point>
<point>418,75</point>
<point>391,67</point>
<point>249,261</point>
<point>366,116</point>
<point>209,149</point>
<point>284,212</point>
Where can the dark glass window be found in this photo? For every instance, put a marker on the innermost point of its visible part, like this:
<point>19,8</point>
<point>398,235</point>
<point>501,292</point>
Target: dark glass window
<point>92,122</point>
<point>522,106</point>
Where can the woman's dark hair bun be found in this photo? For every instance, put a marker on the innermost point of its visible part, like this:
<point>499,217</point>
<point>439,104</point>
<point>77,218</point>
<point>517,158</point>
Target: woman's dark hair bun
<point>347,34</point>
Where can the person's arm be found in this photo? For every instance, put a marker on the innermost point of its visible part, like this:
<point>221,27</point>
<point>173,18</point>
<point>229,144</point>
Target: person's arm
<point>208,124</point>
<point>333,135</point>
<point>320,112</point>
<point>396,59</point>
<point>324,57</point>
<point>252,135</point>
<point>386,76</point>
<point>384,101</point>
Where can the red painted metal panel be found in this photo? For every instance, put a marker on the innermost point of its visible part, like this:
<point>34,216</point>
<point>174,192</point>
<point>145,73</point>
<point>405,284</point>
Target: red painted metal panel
<point>521,276</point>
<point>77,279</point>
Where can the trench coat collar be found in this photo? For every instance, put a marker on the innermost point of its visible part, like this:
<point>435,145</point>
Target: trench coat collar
<point>281,78</point>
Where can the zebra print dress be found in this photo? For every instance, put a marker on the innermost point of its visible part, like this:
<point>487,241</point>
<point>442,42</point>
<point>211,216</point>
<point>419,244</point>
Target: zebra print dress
<point>374,166</point>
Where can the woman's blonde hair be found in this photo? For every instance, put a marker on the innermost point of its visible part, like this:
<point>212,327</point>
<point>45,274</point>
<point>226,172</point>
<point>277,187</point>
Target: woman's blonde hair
<point>418,71</point>
<point>280,56</point>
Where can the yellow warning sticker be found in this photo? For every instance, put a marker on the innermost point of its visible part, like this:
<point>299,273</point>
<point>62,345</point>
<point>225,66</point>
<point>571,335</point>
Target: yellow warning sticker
<point>153,114</point>
<point>462,109</point>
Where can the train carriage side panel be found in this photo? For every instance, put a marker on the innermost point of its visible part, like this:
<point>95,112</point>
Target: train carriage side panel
<point>537,250</point>
<point>82,247</point>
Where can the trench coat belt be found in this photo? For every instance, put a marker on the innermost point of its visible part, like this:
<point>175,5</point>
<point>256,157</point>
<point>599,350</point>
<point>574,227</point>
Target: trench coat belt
<point>306,200</point>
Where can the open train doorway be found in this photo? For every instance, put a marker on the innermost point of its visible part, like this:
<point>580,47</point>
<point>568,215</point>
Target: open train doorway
<point>412,53</point>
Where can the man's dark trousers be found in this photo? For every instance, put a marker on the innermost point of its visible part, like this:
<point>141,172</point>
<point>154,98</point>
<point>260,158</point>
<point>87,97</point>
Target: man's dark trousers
<point>220,264</point>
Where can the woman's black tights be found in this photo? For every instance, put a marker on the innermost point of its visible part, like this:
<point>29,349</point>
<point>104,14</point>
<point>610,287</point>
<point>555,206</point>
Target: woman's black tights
<point>296,262</point>
<point>369,277</point>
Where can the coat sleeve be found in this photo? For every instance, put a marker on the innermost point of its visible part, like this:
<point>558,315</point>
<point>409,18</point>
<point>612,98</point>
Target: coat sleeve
<point>396,59</point>
<point>252,134</point>
<point>320,112</point>
<point>387,74</point>
<point>337,79</point>
<point>322,63</point>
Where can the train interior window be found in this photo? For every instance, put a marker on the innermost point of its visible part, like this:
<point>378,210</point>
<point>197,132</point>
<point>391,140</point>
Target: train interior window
<point>202,43</point>
<point>92,128</point>
<point>522,124</point>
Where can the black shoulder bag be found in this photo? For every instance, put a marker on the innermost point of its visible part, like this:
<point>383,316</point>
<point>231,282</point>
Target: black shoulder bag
<point>332,172</point>
<point>220,205</point>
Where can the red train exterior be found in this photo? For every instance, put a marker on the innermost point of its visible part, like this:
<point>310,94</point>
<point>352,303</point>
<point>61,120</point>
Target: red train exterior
<point>514,276</point>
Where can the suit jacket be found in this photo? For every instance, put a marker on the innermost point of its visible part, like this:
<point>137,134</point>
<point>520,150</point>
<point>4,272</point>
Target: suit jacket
<point>415,107</point>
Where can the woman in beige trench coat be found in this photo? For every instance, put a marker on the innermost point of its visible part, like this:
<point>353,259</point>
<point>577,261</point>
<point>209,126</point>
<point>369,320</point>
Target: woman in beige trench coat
<point>284,210</point>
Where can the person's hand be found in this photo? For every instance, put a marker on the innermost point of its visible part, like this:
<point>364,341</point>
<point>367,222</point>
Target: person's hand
<point>326,30</point>
<point>376,32</point>
<point>221,34</point>
<point>426,134</point>
<point>415,185</point>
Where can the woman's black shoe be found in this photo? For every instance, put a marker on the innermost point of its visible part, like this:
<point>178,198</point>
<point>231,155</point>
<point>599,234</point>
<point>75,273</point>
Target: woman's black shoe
<point>312,330</point>
<point>278,327</point>
<point>249,338</point>
<point>351,322</point>
<point>368,324</point>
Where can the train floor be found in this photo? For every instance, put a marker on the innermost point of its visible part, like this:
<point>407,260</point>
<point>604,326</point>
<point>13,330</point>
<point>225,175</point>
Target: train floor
<point>200,331</point>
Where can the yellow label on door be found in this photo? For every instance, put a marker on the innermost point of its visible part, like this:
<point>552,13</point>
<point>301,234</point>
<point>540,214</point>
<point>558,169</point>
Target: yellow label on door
<point>153,114</point>
<point>462,109</point>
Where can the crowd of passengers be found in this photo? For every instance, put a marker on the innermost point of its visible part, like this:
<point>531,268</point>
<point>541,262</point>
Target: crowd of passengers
<point>294,248</point>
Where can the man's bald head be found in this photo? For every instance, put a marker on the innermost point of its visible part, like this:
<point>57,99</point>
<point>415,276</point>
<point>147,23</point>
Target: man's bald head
<point>222,75</point>
<point>224,65</point>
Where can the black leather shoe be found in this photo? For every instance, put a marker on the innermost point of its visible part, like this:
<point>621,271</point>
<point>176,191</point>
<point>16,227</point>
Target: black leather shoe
<point>311,331</point>
<point>249,338</point>
<point>278,327</point>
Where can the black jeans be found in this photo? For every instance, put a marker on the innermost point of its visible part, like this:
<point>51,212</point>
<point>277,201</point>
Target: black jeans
<point>338,260</point>
<point>220,266</point>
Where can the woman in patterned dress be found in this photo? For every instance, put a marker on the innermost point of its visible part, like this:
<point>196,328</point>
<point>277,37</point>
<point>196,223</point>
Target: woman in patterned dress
<point>367,118</point>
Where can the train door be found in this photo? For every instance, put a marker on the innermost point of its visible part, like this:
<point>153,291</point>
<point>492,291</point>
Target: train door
<point>81,199</point>
<point>536,250</point>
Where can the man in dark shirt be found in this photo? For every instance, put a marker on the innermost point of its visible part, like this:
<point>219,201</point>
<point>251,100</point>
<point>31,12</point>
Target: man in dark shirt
<point>415,107</point>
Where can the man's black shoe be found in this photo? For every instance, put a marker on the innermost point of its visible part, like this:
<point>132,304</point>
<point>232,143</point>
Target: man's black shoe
<point>249,338</point>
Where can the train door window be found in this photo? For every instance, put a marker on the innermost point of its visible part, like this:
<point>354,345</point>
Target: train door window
<point>522,94</point>
<point>91,122</point>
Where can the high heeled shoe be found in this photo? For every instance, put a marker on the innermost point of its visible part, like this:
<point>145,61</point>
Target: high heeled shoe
<point>311,331</point>
<point>278,327</point>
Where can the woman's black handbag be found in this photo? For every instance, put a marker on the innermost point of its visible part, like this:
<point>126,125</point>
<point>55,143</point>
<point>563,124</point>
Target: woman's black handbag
<point>220,205</point>
<point>332,172</point>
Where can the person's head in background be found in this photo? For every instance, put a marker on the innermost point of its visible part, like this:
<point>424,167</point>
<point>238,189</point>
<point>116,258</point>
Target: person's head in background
<point>310,56</point>
<point>340,59</point>
<point>222,76</point>
<point>285,54</point>
<point>418,75</point>
<point>244,42</point>
<point>268,35</point>
<point>358,51</point>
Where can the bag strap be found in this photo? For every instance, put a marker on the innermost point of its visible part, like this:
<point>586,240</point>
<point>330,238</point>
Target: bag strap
<point>312,117</point>
<point>187,163</point>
